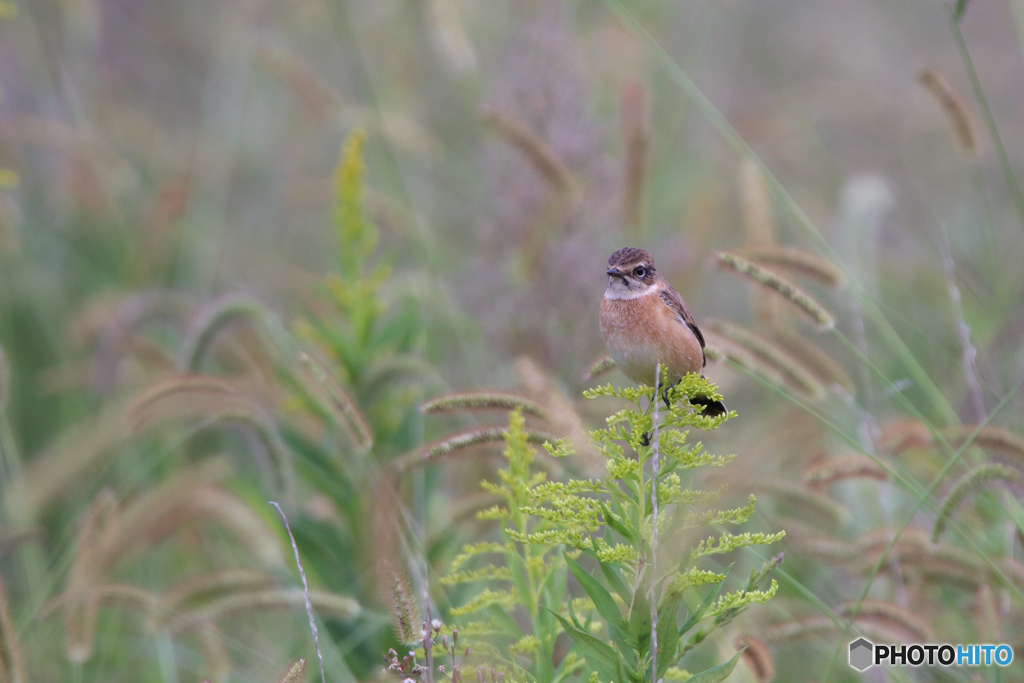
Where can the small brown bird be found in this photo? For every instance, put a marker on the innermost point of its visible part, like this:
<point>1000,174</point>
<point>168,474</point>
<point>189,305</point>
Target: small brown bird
<point>644,321</point>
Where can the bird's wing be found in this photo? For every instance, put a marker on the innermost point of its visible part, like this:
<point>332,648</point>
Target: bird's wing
<point>675,302</point>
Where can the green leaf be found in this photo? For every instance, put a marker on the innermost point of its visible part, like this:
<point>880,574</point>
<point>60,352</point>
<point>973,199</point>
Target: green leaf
<point>600,656</point>
<point>640,618</point>
<point>603,600</point>
<point>505,620</point>
<point>612,521</point>
<point>716,673</point>
<point>668,631</point>
<point>614,576</point>
<point>606,607</point>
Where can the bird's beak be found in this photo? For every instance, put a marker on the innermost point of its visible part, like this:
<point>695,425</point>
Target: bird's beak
<point>615,272</point>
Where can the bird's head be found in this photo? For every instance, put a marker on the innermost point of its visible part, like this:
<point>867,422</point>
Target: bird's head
<point>631,274</point>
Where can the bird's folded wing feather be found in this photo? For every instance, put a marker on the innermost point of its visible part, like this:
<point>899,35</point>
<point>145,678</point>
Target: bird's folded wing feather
<point>675,302</point>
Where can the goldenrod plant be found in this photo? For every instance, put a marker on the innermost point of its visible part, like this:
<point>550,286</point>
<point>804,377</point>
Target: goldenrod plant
<point>603,534</point>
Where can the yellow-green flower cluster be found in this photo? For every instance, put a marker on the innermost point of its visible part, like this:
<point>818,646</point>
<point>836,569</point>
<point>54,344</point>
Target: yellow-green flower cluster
<point>741,598</point>
<point>694,577</point>
<point>728,542</point>
<point>487,573</point>
<point>715,517</point>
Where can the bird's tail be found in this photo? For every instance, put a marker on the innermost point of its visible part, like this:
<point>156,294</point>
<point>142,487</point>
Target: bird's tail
<point>712,408</point>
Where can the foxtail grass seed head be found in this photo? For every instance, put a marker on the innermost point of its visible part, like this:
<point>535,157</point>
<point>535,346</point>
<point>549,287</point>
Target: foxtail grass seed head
<point>477,437</point>
<point>804,302</point>
<point>792,370</point>
<point>796,261</point>
<point>853,466</point>
<point>349,416</point>
<point>601,365</point>
<point>481,400</point>
<point>543,159</point>
<point>405,614</point>
<point>990,438</point>
<point>916,630</point>
<point>967,485</point>
<point>954,106</point>
<point>757,658</point>
<point>295,673</point>
<point>210,321</point>
<point>901,435</point>
<point>820,363</point>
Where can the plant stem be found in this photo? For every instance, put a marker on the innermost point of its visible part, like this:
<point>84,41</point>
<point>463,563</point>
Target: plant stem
<point>654,532</point>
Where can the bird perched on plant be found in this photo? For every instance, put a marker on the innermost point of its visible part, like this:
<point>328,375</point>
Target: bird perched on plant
<point>645,322</point>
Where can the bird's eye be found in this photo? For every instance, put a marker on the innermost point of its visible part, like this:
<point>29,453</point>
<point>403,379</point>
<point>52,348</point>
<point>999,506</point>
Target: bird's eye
<point>640,271</point>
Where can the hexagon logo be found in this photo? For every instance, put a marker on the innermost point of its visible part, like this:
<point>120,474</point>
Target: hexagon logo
<point>861,652</point>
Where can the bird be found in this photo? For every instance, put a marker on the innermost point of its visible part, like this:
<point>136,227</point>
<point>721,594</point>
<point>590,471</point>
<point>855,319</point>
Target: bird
<point>645,321</point>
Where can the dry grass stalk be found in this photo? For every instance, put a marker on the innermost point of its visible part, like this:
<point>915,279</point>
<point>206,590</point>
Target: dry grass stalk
<point>986,615</point>
<point>537,152</point>
<point>295,673</point>
<point>634,124</point>
<point>599,366</point>
<point>786,290</point>
<point>481,400</point>
<point>344,408</point>
<point>12,667</point>
<point>796,261</point>
<point>853,466</point>
<point>827,369</point>
<point>307,600</point>
<point>235,605</point>
<point>953,103</point>
<point>757,658</point>
<point>795,374</point>
<point>917,630</point>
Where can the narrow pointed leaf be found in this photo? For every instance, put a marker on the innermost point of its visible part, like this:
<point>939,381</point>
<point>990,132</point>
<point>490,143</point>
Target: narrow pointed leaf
<point>599,655</point>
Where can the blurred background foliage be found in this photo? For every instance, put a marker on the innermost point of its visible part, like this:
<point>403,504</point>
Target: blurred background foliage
<point>203,307</point>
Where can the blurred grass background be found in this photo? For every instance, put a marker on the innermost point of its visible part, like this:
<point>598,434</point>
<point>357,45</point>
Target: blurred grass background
<point>170,153</point>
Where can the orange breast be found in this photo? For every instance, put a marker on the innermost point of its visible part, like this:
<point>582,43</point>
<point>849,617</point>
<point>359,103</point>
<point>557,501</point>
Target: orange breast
<point>641,332</point>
